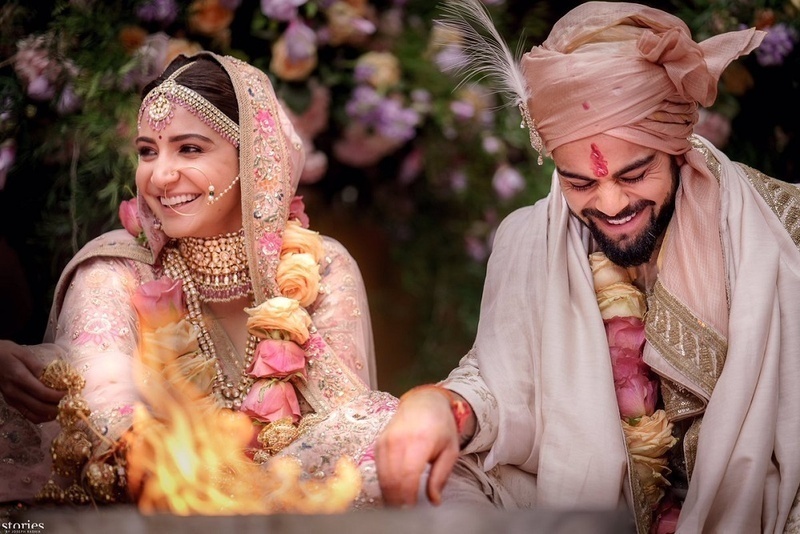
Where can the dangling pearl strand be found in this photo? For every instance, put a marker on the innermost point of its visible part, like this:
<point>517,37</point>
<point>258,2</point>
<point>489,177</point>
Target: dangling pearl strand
<point>225,392</point>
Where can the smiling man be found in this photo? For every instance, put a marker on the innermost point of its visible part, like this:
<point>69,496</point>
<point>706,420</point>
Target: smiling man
<point>688,414</point>
<point>627,208</point>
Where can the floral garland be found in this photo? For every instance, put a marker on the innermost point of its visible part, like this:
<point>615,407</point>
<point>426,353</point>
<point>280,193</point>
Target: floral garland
<point>648,432</point>
<point>281,324</point>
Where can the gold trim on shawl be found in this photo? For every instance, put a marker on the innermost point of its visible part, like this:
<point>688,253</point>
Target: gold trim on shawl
<point>643,513</point>
<point>782,198</point>
<point>688,344</point>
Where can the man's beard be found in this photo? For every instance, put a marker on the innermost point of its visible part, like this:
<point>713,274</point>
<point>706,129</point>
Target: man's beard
<point>640,248</point>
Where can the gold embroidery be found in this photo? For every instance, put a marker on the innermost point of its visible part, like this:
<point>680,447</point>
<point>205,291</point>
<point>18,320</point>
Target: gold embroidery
<point>690,446</point>
<point>641,506</point>
<point>687,343</point>
<point>711,161</point>
<point>782,198</point>
<point>679,402</point>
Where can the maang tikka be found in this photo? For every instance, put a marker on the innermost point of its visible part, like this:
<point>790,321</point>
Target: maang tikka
<point>159,102</point>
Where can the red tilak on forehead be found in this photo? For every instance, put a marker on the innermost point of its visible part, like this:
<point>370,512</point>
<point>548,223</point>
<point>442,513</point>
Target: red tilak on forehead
<point>599,164</point>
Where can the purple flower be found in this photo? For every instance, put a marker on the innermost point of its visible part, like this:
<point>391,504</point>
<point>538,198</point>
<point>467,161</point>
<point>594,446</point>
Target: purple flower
<point>8,154</point>
<point>385,115</point>
<point>68,101</point>
<point>491,144</point>
<point>362,103</point>
<point>281,9</point>
<point>476,248</point>
<point>462,110</point>
<point>395,121</point>
<point>777,44</point>
<point>507,181</point>
<point>41,89</point>
<point>450,58</point>
<point>301,41</point>
<point>161,11</point>
<point>458,180</point>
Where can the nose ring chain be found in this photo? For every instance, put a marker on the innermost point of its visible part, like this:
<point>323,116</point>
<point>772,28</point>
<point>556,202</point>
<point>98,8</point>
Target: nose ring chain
<point>213,197</point>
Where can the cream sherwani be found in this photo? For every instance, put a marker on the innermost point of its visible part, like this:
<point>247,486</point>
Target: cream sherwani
<point>723,331</point>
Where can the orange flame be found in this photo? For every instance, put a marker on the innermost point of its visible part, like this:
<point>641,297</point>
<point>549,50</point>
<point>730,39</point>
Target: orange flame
<point>189,459</point>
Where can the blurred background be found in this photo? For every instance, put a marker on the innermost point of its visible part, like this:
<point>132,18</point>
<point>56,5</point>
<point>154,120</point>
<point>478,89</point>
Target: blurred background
<point>409,168</point>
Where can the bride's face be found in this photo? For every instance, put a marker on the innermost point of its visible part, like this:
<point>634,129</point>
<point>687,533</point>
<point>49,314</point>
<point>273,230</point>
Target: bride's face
<point>177,167</point>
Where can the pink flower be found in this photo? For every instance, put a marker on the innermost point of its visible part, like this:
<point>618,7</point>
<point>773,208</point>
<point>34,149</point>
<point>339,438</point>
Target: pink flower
<point>297,211</point>
<point>626,363</point>
<point>159,303</point>
<point>8,154</point>
<point>278,359</point>
<point>625,332</point>
<point>636,396</point>
<point>666,520</point>
<point>265,121</point>
<point>507,182</point>
<point>270,244</point>
<point>713,126</point>
<point>270,400</point>
<point>129,216</point>
<point>281,9</point>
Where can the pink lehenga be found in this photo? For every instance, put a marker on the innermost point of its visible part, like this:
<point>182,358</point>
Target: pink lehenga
<point>95,329</point>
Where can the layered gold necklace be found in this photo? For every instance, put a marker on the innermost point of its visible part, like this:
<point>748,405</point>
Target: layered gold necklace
<point>214,270</point>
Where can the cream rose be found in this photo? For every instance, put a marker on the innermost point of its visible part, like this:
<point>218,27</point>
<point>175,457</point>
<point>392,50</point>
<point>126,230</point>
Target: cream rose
<point>279,316</point>
<point>605,272</point>
<point>621,300</point>
<point>195,368</point>
<point>651,437</point>
<point>159,347</point>
<point>299,240</point>
<point>382,69</point>
<point>298,278</point>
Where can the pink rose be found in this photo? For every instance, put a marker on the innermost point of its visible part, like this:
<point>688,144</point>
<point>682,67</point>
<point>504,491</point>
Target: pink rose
<point>129,216</point>
<point>270,400</point>
<point>666,520</point>
<point>625,332</point>
<point>277,358</point>
<point>636,396</point>
<point>297,211</point>
<point>626,363</point>
<point>159,303</point>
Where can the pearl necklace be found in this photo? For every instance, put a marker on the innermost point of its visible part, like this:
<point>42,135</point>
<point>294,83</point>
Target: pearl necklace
<point>226,393</point>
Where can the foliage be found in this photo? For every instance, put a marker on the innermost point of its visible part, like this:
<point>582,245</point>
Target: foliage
<point>390,137</point>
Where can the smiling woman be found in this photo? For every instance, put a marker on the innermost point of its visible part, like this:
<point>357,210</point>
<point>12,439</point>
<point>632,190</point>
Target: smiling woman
<point>219,292</point>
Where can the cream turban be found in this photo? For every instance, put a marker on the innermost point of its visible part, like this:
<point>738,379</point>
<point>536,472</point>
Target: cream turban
<point>626,70</point>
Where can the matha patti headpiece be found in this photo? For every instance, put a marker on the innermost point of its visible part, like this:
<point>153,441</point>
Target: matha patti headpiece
<point>157,105</point>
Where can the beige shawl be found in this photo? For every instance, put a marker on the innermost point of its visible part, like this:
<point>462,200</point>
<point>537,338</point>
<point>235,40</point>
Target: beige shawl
<point>540,375</point>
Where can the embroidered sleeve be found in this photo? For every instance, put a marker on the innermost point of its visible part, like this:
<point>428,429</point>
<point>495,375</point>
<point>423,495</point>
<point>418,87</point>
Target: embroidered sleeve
<point>466,380</point>
<point>96,330</point>
<point>341,313</point>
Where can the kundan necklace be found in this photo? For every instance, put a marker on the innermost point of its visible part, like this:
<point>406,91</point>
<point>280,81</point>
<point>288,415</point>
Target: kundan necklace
<point>218,266</point>
<point>227,393</point>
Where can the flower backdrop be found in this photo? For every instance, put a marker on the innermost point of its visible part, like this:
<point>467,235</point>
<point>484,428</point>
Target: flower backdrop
<point>392,140</point>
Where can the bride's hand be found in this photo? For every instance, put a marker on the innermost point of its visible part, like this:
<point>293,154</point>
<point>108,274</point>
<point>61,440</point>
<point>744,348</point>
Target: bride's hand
<point>20,384</point>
